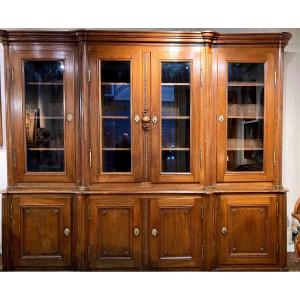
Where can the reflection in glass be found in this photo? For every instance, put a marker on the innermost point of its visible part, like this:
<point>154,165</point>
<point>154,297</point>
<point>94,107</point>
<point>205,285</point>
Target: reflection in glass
<point>115,115</point>
<point>44,116</point>
<point>175,103</point>
<point>176,72</point>
<point>175,133</point>
<point>116,100</point>
<point>175,161</point>
<point>246,72</point>
<point>175,100</point>
<point>115,71</point>
<point>245,125</point>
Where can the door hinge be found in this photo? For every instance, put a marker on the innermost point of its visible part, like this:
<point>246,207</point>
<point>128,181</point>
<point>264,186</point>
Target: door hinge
<point>12,75</point>
<point>202,252</point>
<point>201,160</point>
<point>275,78</point>
<point>274,158</point>
<point>88,252</point>
<point>277,209</point>
<point>277,248</point>
<point>201,76</point>
<point>202,213</point>
<point>89,75</point>
<point>11,210</point>
<point>90,157</point>
<point>89,213</point>
<point>14,158</point>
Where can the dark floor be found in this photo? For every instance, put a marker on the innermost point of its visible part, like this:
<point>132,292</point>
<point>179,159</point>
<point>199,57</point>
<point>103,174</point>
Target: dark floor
<point>293,264</point>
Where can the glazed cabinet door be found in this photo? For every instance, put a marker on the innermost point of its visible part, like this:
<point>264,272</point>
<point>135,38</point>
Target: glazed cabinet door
<point>245,89</point>
<point>114,232</point>
<point>115,95</point>
<point>43,116</point>
<point>176,236</point>
<point>41,230</point>
<point>247,229</point>
<point>176,114</point>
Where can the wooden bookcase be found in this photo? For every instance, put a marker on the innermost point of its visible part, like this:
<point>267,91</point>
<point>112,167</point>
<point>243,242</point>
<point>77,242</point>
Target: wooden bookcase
<point>144,150</point>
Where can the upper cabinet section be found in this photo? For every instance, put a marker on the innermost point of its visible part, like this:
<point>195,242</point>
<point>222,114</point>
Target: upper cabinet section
<point>245,114</point>
<point>43,109</point>
<point>89,107</point>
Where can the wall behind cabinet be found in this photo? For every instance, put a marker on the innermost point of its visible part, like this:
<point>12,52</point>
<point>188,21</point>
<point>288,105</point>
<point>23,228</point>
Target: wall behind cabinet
<point>291,120</point>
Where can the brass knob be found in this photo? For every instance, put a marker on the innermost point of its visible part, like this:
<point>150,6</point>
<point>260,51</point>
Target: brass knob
<point>136,231</point>
<point>136,118</point>
<point>221,118</point>
<point>154,119</point>
<point>67,232</point>
<point>69,117</point>
<point>224,230</point>
<point>154,232</point>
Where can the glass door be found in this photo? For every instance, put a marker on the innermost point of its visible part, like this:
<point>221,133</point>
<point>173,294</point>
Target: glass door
<point>245,116</point>
<point>115,94</point>
<point>44,83</point>
<point>176,113</point>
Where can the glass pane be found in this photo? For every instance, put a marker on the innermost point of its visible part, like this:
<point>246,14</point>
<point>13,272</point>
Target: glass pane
<point>175,161</point>
<point>247,72</point>
<point>115,71</point>
<point>173,72</point>
<point>116,160</point>
<point>44,116</point>
<point>245,125</point>
<point>175,102</point>
<point>115,115</point>
<point>116,100</point>
<point>116,133</point>
<point>176,133</point>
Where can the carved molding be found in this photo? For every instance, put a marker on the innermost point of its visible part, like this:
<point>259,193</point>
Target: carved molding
<point>177,37</point>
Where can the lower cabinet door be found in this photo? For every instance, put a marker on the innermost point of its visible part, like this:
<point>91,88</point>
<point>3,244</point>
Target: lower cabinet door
<point>114,232</point>
<point>247,230</point>
<point>41,229</point>
<point>176,232</point>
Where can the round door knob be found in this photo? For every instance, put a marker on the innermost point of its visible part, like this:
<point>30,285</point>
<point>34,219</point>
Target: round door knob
<point>221,118</point>
<point>154,232</point>
<point>224,230</point>
<point>136,231</point>
<point>67,232</point>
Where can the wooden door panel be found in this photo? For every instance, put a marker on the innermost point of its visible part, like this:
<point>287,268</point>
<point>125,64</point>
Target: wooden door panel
<point>243,153</point>
<point>38,225</point>
<point>104,138</point>
<point>251,224</point>
<point>114,238</point>
<point>32,139</point>
<point>44,239</point>
<point>177,241</point>
<point>178,132</point>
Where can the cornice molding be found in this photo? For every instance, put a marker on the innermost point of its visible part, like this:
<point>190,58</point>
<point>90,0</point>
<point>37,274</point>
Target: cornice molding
<point>174,37</point>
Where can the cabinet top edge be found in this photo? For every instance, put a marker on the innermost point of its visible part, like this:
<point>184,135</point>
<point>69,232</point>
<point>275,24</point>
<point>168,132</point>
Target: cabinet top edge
<point>177,37</point>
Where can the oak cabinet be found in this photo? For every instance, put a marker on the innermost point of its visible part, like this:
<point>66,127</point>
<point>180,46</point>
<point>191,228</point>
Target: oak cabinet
<point>41,230</point>
<point>114,232</point>
<point>143,150</point>
<point>248,229</point>
<point>176,229</point>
